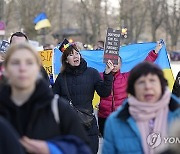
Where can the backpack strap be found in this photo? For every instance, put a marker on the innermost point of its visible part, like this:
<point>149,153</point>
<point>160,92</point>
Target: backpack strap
<point>55,108</point>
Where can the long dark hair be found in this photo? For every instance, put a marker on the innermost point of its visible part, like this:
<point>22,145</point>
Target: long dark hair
<point>144,69</point>
<point>65,54</point>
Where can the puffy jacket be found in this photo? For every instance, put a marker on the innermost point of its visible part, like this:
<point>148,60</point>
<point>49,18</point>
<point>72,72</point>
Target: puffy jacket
<point>118,94</point>
<point>122,135</point>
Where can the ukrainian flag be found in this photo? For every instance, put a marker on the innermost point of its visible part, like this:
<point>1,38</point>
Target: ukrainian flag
<point>41,21</point>
<point>131,55</point>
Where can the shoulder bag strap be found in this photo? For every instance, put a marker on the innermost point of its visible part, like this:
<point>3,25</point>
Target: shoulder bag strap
<point>67,91</point>
<point>55,108</point>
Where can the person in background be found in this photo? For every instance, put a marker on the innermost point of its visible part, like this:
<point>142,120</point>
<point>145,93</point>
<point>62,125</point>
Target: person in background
<point>56,39</point>
<point>19,37</point>
<point>82,81</point>
<point>26,103</point>
<point>99,45</point>
<point>149,110</point>
<point>118,93</point>
<point>176,87</point>
<point>48,46</point>
<point>9,142</point>
<point>79,46</point>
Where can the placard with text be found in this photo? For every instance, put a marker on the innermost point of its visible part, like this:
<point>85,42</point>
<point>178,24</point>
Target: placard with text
<point>46,59</point>
<point>4,45</point>
<point>112,45</point>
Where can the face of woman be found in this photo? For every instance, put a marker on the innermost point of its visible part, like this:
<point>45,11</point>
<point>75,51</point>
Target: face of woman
<point>148,88</point>
<point>22,69</point>
<point>74,58</point>
<point>117,67</point>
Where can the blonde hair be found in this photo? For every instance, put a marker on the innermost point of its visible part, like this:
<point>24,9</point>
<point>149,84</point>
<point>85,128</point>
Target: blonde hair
<point>15,47</point>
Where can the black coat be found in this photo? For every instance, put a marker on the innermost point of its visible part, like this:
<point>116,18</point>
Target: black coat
<point>9,140</point>
<point>176,87</point>
<point>35,118</point>
<point>82,81</point>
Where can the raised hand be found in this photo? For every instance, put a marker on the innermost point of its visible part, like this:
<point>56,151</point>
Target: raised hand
<point>158,47</point>
<point>109,67</point>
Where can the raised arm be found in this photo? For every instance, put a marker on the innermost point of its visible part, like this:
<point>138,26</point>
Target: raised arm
<point>154,53</point>
<point>103,87</point>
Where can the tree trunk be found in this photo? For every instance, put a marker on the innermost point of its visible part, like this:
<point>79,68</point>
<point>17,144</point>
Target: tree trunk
<point>153,34</point>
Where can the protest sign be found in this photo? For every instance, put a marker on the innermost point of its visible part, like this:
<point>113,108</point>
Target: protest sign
<point>112,45</point>
<point>46,58</point>
<point>4,45</point>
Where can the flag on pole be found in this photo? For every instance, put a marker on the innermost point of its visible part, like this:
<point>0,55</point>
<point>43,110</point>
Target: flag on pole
<point>41,21</point>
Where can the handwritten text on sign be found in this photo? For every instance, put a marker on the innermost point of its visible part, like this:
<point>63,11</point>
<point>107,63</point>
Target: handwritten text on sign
<point>112,45</point>
<point>46,58</point>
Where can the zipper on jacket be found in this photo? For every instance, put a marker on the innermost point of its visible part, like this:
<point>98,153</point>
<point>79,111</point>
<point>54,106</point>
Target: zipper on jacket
<point>113,103</point>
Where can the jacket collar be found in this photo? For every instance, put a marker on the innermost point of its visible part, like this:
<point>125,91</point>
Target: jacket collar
<point>116,74</point>
<point>125,116</point>
<point>77,70</point>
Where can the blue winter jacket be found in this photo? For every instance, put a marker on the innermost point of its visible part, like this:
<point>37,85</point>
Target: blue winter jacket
<point>122,135</point>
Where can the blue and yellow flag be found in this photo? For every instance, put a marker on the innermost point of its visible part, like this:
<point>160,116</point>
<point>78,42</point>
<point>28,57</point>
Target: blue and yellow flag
<point>131,55</point>
<point>41,21</point>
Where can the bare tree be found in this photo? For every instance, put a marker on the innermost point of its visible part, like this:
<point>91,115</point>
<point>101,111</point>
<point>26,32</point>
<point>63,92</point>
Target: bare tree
<point>7,11</point>
<point>133,14</point>
<point>156,15</point>
<point>94,16</point>
<point>9,16</point>
<point>28,9</point>
<point>1,9</point>
<point>172,21</point>
<point>105,13</point>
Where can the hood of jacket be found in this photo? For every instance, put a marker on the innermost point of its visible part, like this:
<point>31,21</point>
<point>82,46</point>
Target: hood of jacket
<point>39,98</point>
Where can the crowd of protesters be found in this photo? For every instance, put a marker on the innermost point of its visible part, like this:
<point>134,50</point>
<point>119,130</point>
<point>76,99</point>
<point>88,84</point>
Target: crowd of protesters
<point>44,120</point>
